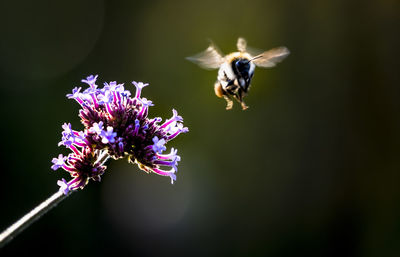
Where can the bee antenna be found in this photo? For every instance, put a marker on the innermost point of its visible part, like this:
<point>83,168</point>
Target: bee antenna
<point>255,57</point>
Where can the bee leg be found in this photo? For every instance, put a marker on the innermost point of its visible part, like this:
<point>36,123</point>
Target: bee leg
<point>220,92</point>
<point>244,106</point>
<point>242,103</point>
<point>239,97</point>
<point>229,102</point>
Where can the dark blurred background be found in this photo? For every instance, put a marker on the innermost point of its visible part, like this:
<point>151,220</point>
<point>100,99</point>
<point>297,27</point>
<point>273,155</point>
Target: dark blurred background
<point>312,168</point>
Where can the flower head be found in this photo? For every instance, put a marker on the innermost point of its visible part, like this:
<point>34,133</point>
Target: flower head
<point>116,125</point>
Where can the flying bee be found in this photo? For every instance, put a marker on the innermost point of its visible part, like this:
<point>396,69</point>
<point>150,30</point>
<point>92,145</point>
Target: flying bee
<point>236,69</point>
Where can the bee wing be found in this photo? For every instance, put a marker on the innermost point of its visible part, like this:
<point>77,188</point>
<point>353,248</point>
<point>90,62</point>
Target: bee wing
<point>211,58</point>
<point>241,44</point>
<point>271,57</point>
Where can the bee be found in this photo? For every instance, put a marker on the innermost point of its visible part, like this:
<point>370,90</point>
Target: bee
<point>236,69</point>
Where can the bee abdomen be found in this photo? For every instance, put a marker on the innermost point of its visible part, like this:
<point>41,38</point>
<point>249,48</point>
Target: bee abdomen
<point>218,89</point>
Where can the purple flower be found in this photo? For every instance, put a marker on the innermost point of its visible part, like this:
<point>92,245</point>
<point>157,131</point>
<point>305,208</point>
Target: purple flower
<point>75,93</point>
<point>171,155</point>
<point>125,93</point>
<point>170,173</point>
<point>108,136</point>
<point>175,129</point>
<point>58,162</point>
<point>139,86</point>
<point>175,118</point>
<point>146,103</point>
<point>70,137</point>
<point>67,140</point>
<point>64,187</point>
<point>137,126</point>
<point>67,129</point>
<point>116,125</point>
<point>91,80</point>
<point>97,128</point>
<point>106,98</point>
<point>158,146</point>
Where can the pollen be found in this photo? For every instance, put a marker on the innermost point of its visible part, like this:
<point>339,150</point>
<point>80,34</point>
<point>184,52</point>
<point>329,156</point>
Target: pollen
<point>218,89</point>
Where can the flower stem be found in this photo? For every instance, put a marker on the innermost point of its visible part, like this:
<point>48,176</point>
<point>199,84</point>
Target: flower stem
<point>24,222</point>
<point>16,228</point>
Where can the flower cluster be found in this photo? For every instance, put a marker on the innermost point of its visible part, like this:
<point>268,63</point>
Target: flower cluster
<point>116,125</point>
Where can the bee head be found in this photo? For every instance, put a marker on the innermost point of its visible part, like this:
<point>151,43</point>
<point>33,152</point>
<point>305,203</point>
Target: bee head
<point>242,65</point>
